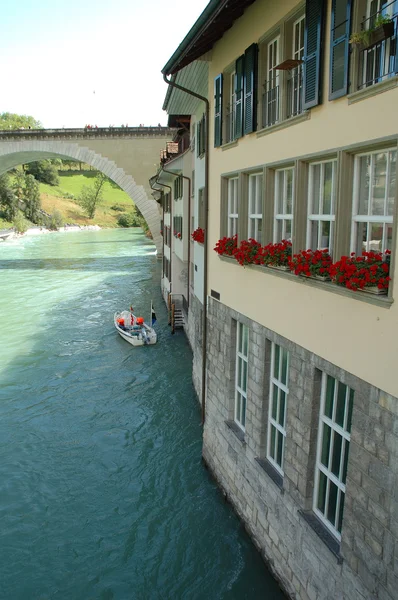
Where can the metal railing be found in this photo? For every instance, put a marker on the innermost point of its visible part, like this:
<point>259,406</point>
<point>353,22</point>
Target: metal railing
<point>378,60</point>
<point>229,123</point>
<point>270,104</point>
<point>294,92</point>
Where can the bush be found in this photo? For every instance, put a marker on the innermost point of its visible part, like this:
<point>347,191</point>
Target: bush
<point>118,208</point>
<point>20,224</point>
<point>55,220</point>
<point>44,171</point>
<point>128,220</point>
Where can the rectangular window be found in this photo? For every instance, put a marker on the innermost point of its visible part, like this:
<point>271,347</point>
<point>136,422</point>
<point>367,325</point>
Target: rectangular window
<point>277,406</point>
<point>294,81</point>
<point>321,205</point>
<point>374,199</point>
<point>242,354</point>
<point>270,100</point>
<point>233,206</point>
<point>231,109</point>
<point>332,452</point>
<point>378,61</point>
<point>284,193</point>
<point>255,204</point>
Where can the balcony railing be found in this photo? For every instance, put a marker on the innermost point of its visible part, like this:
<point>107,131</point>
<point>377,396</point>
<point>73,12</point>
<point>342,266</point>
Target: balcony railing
<point>230,123</point>
<point>270,104</point>
<point>378,60</point>
<point>294,92</point>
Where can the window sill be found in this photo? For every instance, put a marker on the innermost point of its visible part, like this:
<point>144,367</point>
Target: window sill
<point>373,90</point>
<point>304,116</point>
<point>271,472</point>
<point>237,431</point>
<point>229,145</point>
<point>327,286</point>
<point>322,532</point>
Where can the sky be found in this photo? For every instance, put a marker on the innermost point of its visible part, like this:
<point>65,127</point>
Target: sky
<point>98,62</point>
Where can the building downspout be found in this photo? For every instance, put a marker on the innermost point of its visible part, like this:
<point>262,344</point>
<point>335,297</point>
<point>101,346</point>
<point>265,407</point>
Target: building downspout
<point>189,224</point>
<point>206,211</point>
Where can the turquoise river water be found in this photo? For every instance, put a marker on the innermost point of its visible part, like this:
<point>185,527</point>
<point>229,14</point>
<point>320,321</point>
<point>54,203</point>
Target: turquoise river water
<point>102,491</point>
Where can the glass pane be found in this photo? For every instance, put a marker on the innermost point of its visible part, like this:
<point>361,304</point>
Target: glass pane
<point>259,191</point>
<point>244,379</point>
<point>338,73</point>
<point>325,445</point>
<point>392,182</point>
<point>340,16</point>
<point>282,404</point>
<point>314,235</point>
<point>289,191</point>
<point>388,237</point>
<point>350,407</point>
<point>322,492</point>
<point>259,230</point>
<point>279,449</point>
<point>376,237</point>
<point>336,456</point>
<point>240,337</point>
<point>280,189</point>
<point>243,418</point>
<point>332,502</point>
<point>346,450</point>
<point>316,186</point>
<point>245,339</point>
<point>239,377</point>
<point>341,510</point>
<point>276,361</point>
<point>285,358</point>
<point>364,177</point>
<point>329,396</point>
<point>325,237</point>
<point>238,406</point>
<point>252,228</point>
<point>341,394</point>
<point>272,443</point>
<point>362,237</point>
<point>327,189</point>
<point>379,183</point>
<point>288,230</point>
<point>274,401</point>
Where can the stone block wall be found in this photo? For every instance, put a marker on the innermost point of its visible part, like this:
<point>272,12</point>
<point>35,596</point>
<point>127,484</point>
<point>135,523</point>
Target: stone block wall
<point>193,330</point>
<point>277,510</point>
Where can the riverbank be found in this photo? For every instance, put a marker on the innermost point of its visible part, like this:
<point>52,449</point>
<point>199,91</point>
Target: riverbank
<point>8,235</point>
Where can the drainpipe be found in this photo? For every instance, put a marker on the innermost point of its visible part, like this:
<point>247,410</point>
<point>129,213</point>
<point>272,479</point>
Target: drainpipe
<point>206,211</point>
<point>189,223</point>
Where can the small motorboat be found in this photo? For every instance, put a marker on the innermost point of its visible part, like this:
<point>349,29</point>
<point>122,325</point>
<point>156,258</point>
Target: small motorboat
<point>134,329</point>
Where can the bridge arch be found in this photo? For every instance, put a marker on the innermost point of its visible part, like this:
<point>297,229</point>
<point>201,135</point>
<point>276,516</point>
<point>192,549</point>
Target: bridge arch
<point>14,153</point>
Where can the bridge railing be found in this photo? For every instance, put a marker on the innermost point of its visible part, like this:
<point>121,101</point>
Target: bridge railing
<point>88,131</point>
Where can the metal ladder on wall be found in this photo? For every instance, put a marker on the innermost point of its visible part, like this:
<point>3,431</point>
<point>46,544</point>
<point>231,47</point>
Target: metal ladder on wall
<point>176,313</point>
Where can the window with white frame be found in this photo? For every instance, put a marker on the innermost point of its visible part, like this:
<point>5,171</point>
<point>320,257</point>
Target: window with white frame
<point>233,210</point>
<point>277,406</point>
<point>374,199</point>
<point>284,193</point>
<point>294,82</point>
<point>321,205</point>
<point>332,452</point>
<point>255,206</point>
<point>271,91</point>
<point>231,109</point>
<point>242,354</point>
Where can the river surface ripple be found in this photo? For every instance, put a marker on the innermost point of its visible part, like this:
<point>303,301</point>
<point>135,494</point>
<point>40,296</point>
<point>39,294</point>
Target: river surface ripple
<point>102,491</point>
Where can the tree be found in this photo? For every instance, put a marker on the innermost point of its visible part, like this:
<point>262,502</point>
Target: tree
<point>14,121</point>
<point>55,220</point>
<point>44,171</point>
<point>32,199</point>
<point>90,197</point>
<point>8,200</point>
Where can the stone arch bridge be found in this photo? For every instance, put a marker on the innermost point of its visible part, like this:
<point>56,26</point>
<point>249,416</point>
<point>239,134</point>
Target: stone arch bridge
<point>127,155</point>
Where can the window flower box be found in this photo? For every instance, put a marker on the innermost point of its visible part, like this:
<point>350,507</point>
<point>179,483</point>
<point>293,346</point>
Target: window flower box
<point>198,235</point>
<point>278,255</point>
<point>250,252</point>
<point>382,29</point>
<point>363,273</point>
<point>312,263</point>
<point>226,246</point>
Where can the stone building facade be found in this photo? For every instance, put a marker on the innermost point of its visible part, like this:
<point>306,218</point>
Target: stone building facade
<point>278,510</point>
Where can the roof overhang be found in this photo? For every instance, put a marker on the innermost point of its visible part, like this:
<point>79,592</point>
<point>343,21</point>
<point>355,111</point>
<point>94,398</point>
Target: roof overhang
<point>215,20</point>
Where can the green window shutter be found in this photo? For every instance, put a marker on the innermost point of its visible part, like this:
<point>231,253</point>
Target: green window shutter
<point>339,48</point>
<point>314,10</point>
<point>250,90</point>
<point>239,96</point>
<point>218,111</point>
